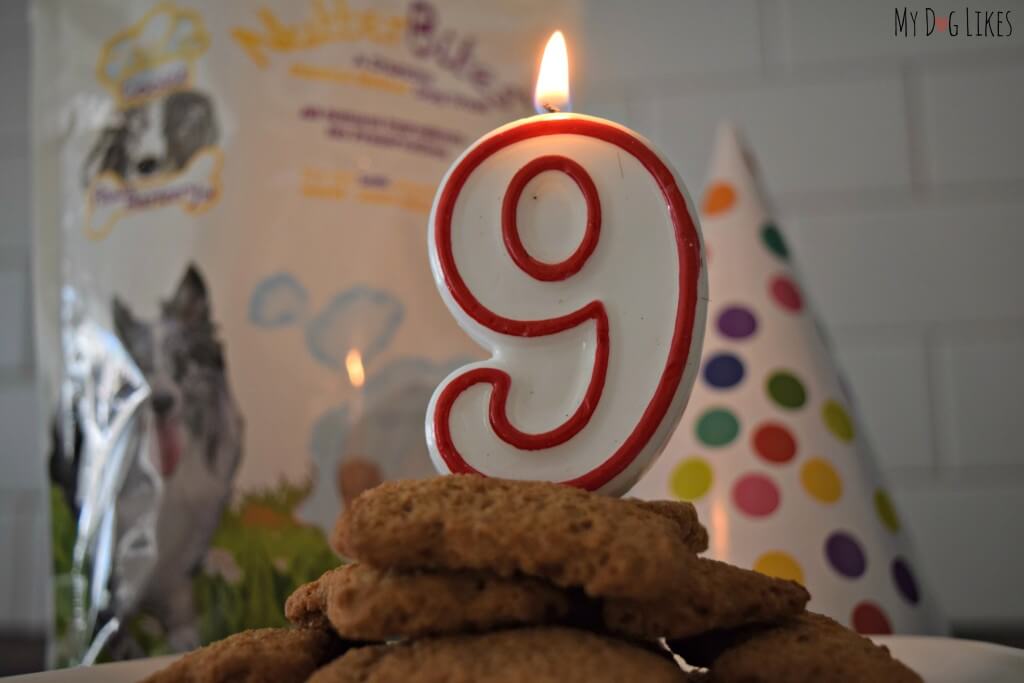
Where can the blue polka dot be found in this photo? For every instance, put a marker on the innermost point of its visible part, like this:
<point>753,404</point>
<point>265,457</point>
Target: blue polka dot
<point>723,370</point>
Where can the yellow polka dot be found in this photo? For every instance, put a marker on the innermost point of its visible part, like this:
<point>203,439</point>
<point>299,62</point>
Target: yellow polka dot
<point>821,480</point>
<point>838,421</point>
<point>780,565</point>
<point>691,479</point>
<point>718,198</point>
<point>886,511</point>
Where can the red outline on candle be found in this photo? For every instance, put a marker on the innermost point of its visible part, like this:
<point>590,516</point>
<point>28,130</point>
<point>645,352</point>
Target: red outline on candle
<point>688,248</point>
<point>550,272</point>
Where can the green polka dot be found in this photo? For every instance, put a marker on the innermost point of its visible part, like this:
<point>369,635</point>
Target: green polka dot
<point>838,421</point>
<point>786,390</point>
<point>717,427</point>
<point>886,512</point>
<point>691,479</point>
<point>774,241</point>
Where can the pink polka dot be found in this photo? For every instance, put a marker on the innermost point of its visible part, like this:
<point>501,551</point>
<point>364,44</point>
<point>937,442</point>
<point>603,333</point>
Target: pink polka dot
<point>786,293</point>
<point>869,619</point>
<point>756,495</point>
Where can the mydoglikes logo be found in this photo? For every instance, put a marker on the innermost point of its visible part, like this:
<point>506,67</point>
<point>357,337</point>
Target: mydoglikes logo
<point>966,23</point>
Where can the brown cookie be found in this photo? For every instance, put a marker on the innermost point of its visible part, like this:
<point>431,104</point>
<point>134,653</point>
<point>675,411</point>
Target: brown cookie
<point>305,606</point>
<point>270,655</point>
<point>368,604</point>
<point>539,655</point>
<point>694,535</point>
<point>570,537</point>
<point>712,595</point>
<point>364,603</point>
<point>805,649</point>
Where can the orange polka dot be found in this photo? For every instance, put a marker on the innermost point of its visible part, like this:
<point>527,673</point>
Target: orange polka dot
<point>821,480</point>
<point>719,198</point>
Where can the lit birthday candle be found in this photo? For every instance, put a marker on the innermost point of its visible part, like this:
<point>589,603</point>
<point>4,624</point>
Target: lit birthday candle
<point>567,247</point>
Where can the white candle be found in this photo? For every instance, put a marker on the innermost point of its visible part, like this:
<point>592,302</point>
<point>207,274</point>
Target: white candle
<point>594,319</point>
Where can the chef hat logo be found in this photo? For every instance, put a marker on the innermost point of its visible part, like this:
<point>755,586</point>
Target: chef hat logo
<point>154,56</point>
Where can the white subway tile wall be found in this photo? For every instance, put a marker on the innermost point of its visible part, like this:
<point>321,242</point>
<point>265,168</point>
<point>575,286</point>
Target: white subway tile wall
<point>982,376</point>
<point>14,305</point>
<point>929,262</point>
<point>23,522</point>
<point>964,531</point>
<point>652,39</point>
<point>892,364</point>
<point>21,463</point>
<point>23,572</point>
<point>14,187</point>
<point>972,121</point>
<point>896,165</point>
<point>810,137</point>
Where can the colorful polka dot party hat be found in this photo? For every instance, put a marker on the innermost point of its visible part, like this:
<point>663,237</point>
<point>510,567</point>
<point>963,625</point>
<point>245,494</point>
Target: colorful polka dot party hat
<point>769,448</point>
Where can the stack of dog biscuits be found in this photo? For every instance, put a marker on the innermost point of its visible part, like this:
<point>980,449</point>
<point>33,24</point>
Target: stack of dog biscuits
<point>464,578</point>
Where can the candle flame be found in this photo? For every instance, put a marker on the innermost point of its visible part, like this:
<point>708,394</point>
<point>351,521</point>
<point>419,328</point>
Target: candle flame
<point>552,91</point>
<point>354,367</point>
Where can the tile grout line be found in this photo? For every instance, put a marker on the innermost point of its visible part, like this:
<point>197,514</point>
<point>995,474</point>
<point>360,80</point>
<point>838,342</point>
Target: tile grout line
<point>914,120</point>
<point>1004,328</point>
<point>938,195</point>
<point>762,9</point>
<point>7,506</point>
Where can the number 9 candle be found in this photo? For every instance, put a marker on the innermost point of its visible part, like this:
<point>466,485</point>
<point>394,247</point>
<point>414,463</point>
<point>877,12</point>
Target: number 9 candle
<point>566,246</point>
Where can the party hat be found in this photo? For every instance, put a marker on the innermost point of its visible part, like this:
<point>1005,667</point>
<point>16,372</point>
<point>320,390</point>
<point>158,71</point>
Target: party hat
<point>769,448</point>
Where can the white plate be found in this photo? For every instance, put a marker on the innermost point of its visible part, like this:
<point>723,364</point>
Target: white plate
<point>122,672</point>
<point>938,660</point>
<point>949,660</point>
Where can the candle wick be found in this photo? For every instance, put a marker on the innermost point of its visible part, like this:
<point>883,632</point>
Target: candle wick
<point>551,109</point>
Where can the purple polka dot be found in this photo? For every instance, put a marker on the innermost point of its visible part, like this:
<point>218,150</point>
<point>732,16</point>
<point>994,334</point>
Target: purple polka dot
<point>723,370</point>
<point>905,581</point>
<point>845,555</point>
<point>737,322</point>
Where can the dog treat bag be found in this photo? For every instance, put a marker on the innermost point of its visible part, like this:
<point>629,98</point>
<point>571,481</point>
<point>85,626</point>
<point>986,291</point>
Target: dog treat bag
<point>238,330</point>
